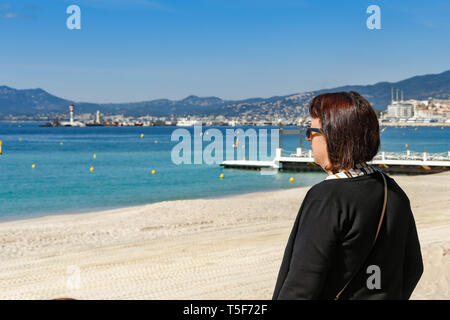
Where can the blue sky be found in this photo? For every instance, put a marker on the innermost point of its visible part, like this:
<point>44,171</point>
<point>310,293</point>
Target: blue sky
<point>134,50</point>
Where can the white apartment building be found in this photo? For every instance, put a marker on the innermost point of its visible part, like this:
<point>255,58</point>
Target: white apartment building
<point>400,110</point>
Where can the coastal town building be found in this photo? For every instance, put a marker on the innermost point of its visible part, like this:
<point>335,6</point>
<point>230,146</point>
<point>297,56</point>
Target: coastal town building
<point>417,111</point>
<point>400,110</point>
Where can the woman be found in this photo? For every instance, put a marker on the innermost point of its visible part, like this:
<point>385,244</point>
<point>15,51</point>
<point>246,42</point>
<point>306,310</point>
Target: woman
<point>343,244</point>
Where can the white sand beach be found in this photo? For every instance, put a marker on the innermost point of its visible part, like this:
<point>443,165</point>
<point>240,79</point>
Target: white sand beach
<point>226,248</point>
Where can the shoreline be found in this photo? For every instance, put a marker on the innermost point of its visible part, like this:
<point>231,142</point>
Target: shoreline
<point>386,124</point>
<point>100,210</point>
<point>5,219</point>
<point>419,124</point>
<point>38,215</point>
<point>188,249</point>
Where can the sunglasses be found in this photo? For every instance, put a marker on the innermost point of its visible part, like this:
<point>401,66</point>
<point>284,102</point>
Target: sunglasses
<point>309,130</point>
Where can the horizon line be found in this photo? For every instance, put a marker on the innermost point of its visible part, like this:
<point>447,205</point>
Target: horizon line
<point>224,100</point>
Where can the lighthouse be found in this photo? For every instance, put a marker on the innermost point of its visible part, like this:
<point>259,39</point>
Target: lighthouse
<point>71,114</point>
<point>97,117</point>
<point>71,122</point>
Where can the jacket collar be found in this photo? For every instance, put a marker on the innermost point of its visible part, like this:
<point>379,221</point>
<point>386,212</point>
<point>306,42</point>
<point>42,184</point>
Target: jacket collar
<point>359,170</point>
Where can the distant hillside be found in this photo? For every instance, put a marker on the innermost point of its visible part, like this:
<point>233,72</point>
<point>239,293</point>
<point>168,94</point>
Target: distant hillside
<point>164,107</point>
<point>30,101</point>
<point>37,101</point>
<point>418,87</point>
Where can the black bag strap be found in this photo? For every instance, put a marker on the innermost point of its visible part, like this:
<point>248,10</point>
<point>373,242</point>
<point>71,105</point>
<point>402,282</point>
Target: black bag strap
<point>376,236</point>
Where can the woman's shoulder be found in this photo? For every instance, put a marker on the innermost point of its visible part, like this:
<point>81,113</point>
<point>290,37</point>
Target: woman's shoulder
<point>323,191</point>
<point>396,189</point>
<point>345,188</point>
<point>326,187</point>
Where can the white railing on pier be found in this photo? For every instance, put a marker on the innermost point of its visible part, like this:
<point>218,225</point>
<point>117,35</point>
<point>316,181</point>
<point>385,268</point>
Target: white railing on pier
<point>424,159</point>
<point>409,155</point>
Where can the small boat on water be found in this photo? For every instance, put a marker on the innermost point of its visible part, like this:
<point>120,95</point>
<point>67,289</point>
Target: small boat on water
<point>48,124</point>
<point>111,124</point>
<point>94,124</point>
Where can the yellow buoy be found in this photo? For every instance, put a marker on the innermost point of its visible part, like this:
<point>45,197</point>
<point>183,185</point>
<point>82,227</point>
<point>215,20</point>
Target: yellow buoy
<point>221,176</point>
<point>94,156</point>
<point>153,171</point>
<point>142,136</point>
<point>407,145</point>
<point>33,166</point>
<point>92,169</point>
<point>291,179</point>
<point>0,147</point>
<point>156,141</point>
<point>382,130</point>
<point>61,143</point>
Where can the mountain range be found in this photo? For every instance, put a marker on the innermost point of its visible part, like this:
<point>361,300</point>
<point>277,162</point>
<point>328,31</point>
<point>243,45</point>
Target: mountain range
<point>33,102</point>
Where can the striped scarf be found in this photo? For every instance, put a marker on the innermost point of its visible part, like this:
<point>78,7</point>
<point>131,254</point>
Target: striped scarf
<point>359,170</point>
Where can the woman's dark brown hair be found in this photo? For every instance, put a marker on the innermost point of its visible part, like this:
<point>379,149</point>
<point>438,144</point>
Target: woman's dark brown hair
<point>350,126</point>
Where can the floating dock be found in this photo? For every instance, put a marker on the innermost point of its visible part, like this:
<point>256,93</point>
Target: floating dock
<point>303,160</point>
<point>390,162</point>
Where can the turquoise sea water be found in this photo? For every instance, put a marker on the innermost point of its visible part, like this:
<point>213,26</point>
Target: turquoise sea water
<point>63,183</point>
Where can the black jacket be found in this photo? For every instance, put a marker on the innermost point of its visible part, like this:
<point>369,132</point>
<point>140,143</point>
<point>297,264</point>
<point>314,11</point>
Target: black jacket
<point>332,237</point>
